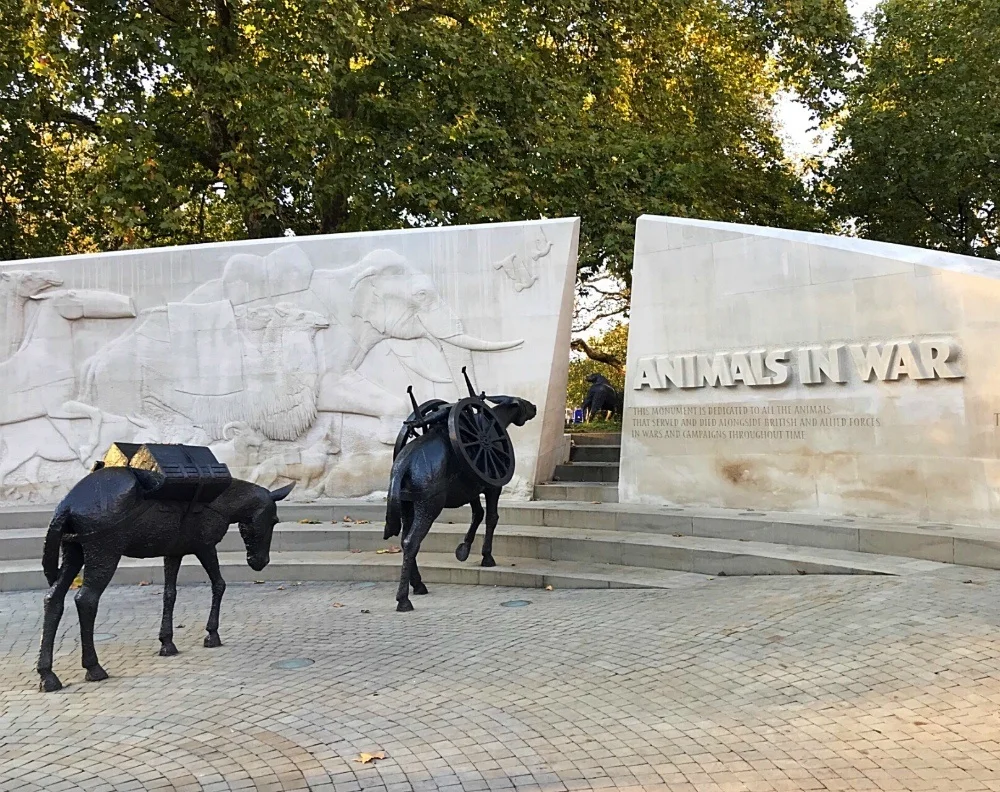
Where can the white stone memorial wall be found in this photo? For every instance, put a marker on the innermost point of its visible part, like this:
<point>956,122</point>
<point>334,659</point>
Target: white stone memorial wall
<point>290,358</point>
<point>783,370</point>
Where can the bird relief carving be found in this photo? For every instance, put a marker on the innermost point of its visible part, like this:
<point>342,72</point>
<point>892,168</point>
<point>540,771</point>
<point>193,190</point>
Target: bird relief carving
<point>521,273</point>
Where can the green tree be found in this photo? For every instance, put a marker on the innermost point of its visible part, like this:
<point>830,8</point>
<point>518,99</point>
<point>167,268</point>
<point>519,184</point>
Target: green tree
<point>175,121</point>
<point>919,137</point>
<point>605,354</point>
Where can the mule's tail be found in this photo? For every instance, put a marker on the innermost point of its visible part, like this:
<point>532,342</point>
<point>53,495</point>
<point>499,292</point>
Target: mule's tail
<point>53,540</point>
<point>393,518</point>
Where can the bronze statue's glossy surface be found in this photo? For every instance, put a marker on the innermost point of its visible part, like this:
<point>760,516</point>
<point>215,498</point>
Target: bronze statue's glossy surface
<point>118,510</point>
<point>463,453</point>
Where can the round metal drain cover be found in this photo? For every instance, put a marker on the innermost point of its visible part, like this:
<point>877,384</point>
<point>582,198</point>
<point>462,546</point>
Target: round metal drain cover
<point>104,636</point>
<point>515,603</point>
<point>292,664</point>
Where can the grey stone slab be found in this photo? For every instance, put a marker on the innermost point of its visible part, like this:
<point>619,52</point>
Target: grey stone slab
<point>908,544</point>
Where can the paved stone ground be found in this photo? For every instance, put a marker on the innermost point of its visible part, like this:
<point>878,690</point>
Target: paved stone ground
<point>790,683</point>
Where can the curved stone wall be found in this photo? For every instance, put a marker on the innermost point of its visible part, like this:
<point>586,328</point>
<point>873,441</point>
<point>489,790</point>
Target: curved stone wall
<point>289,358</point>
<point>783,370</point>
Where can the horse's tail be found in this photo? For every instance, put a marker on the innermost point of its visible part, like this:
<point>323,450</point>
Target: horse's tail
<point>393,519</point>
<point>53,540</point>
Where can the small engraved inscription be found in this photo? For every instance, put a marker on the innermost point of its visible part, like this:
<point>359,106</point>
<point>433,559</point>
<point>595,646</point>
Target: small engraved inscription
<point>783,421</point>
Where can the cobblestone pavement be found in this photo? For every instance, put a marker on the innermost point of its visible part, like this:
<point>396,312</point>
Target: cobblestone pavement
<point>790,683</point>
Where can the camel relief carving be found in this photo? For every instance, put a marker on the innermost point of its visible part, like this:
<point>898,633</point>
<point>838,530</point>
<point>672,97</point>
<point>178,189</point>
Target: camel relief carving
<point>16,288</point>
<point>266,379</point>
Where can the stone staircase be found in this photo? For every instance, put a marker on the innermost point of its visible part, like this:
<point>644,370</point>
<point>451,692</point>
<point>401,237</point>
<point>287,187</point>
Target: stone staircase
<point>555,543</point>
<point>591,473</point>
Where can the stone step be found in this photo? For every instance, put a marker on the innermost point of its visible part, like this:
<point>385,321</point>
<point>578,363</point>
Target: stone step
<point>600,472</point>
<point>347,566</point>
<point>630,549</point>
<point>594,506</point>
<point>596,438</point>
<point>595,453</point>
<point>577,492</point>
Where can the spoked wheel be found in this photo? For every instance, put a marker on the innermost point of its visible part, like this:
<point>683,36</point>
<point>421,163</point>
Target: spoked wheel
<point>481,442</point>
<point>407,433</point>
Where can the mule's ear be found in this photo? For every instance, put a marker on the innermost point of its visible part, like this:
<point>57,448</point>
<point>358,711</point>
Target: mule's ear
<point>281,494</point>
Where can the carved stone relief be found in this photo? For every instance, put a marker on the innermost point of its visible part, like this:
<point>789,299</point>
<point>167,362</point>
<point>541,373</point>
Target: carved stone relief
<point>521,273</point>
<point>263,364</point>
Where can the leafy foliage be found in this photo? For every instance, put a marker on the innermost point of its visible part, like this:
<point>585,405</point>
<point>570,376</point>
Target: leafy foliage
<point>920,137</point>
<point>146,122</point>
<point>613,342</point>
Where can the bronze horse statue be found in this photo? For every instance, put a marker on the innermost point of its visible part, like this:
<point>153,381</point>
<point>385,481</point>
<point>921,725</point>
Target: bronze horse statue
<point>113,512</point>
<point>429,476</point>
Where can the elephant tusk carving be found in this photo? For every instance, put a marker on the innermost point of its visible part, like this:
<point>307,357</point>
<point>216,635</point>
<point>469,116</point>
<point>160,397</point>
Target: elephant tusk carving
<point>473,344</point>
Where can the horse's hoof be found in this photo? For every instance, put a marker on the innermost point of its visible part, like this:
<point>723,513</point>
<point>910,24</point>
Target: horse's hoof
<point>462,552</point>
<point>213,641</point>
<point>420,588</point>
<point>168,649</point>
<point>49,683</point>
<point>96,674</point>
<point>404,606</point>
<point>488,561</point>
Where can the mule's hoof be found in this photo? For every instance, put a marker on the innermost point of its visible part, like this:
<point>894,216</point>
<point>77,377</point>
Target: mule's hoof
<point>488,561</point>
<point>96,674</point>
<point>213,641</point>
<point>49,683</point>
<point>404,606</point>
<point>420,588</point>
<point>168,649</point>
<point>462,552</point>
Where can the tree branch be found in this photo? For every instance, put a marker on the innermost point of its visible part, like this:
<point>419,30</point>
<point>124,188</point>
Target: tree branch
<point>932,214</point>
<point>596,354</point>
<point>435,10</point>
<point>595,319</point>
<point>58,115</point>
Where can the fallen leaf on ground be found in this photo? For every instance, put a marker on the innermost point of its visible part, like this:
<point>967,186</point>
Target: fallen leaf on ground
<point>333,522</point>
<point>548,588</point>
<point>596,503</point>
<point>308,522</point>
<point>365,610</point>
<point>299,583</point>
<point>919,723</point>
<point>390,549</point>
<point>281,588</point>
<point>347,518</point>
<point>678,534</point>
<point>257,582</point>
<point>338,604</point>
<point>356,550</point>
<point>144,583</point>
<point>362,522</point>
<point>366,758</point>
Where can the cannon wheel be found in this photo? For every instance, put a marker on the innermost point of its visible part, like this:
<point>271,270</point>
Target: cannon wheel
<point>481,442</point>
<point>407,433</point>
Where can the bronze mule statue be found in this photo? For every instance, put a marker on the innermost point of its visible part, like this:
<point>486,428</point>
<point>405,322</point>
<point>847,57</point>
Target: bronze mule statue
<point>463,453</point>
<point>113,512</point>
